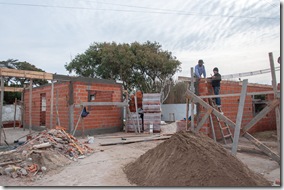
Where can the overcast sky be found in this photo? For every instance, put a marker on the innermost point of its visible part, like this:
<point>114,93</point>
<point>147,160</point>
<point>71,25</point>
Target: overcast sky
<point>233,35</point>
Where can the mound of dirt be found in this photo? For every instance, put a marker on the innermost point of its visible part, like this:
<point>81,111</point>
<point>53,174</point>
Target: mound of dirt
<point>188,159</point>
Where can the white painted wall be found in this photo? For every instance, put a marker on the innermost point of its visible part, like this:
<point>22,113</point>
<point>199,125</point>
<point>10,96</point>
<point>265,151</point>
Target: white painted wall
<point>179,111</point>
<point>8,113</point>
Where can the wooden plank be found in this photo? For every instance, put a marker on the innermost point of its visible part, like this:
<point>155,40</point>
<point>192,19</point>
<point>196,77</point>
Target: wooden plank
<point>25,74</point>
<point>15,112</point>
<point>118,104</point>
<point>136,110</point>
<point>262,147</point>
<point>135,141</point>
<point>192,103</point>
<point>274,84</point>
<point>12,89</point>
<point>277,111</point>
<point>273,75</point>
<point>212,128</point>
<point>125,136</point>
<point>190,94</point>
<point>30,106</point>
<point>261,114</point>
<point>205,117</point>
<point>246,149</point>
<point>185,79</point>
<point>51,104</point>
<point>237,94</point>
<point>1,107</point>
<point>239,117</point>
<point>186,117</point>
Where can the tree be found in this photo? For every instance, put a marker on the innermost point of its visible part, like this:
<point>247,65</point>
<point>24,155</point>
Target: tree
<point>15,64</point>
<point>139,66</point>
<point>177,92</point>
<point>9,97</point>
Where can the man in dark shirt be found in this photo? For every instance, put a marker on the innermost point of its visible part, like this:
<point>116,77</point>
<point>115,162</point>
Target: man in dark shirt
<point>216,78</point>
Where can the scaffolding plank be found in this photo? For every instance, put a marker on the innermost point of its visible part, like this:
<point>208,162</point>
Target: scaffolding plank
<point>261,114</point>
<point>190,95</point>
<point>262,147</point>
<point>118,104</point>
<point>237,94</point>
<point>25,74</point>
<point>205,117</point>
<point>12,89</point>
<point>134,141</point>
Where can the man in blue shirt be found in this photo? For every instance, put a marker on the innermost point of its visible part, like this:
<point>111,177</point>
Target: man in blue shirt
<point>200,69</point>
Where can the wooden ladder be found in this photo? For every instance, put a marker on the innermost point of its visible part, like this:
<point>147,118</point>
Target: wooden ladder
<point>225,130</point>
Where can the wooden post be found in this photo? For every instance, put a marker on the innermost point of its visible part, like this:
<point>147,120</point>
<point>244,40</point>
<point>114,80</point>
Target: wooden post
<point>56,107</point>
<point>51,104</point>
<point>78,121</point>
<point>277,112</point>
<point>15,112</point>
<point>205,117</point>
<point>263,147</point>
<point>212,127</point>
<point>192,102</point>
<point>136,108</point>
<point>239,117</point>
<point>30,105</point>
<point>186,117</point>
<point>83,128</point>
<point>22,111</point>
<point>127,115</point>
<point>1,107</point>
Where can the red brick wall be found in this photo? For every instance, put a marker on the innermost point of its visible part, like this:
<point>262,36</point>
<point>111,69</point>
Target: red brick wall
<point>63,109</point>
<point>230,106</point>
<point>99,117</point>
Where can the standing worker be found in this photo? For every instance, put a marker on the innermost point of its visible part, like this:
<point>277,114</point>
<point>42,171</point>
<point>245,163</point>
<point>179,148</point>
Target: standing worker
<point>216,78</point>
<point>200,69</point>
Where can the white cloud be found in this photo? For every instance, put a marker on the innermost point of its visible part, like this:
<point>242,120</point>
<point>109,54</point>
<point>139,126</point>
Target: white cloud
<point>236,36</point>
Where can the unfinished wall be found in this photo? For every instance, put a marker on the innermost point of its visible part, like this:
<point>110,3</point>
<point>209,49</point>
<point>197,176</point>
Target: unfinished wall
<point>38,113</point>
<point>101,118</point>
<point>230,106</point>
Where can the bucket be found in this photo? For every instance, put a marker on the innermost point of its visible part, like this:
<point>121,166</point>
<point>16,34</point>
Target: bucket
<point>91,140</point>
<point>151,128</point>
<point>171,116</point>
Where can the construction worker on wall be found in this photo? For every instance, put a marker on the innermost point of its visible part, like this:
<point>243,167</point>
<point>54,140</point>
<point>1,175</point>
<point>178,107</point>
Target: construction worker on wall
<point>199,70</point>
<point>216,78</point>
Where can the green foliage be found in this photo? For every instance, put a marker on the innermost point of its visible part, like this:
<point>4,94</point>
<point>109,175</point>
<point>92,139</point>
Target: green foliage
<point>9,97</point>
<point>139,66</point>
<point>176,95</point>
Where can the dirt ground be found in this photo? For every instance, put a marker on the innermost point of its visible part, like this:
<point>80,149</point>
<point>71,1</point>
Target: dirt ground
<point>105,166</point>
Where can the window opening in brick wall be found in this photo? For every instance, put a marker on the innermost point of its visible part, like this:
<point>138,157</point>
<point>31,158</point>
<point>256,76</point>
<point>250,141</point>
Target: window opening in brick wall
<point>259,102</point>
<point>42,109</point>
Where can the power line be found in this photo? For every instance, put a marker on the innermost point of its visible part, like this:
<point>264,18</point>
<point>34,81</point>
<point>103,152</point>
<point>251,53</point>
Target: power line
<point>137,11</point>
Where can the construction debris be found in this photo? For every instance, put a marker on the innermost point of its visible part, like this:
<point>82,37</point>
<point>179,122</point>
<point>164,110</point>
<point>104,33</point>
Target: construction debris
<point>45,151</point>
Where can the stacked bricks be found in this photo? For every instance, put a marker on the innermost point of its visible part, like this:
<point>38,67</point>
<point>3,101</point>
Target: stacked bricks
<point>230,107</point>
<point>152,111</point>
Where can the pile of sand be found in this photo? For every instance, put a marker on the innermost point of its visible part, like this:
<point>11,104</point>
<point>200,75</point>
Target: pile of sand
<point>188,159</point>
